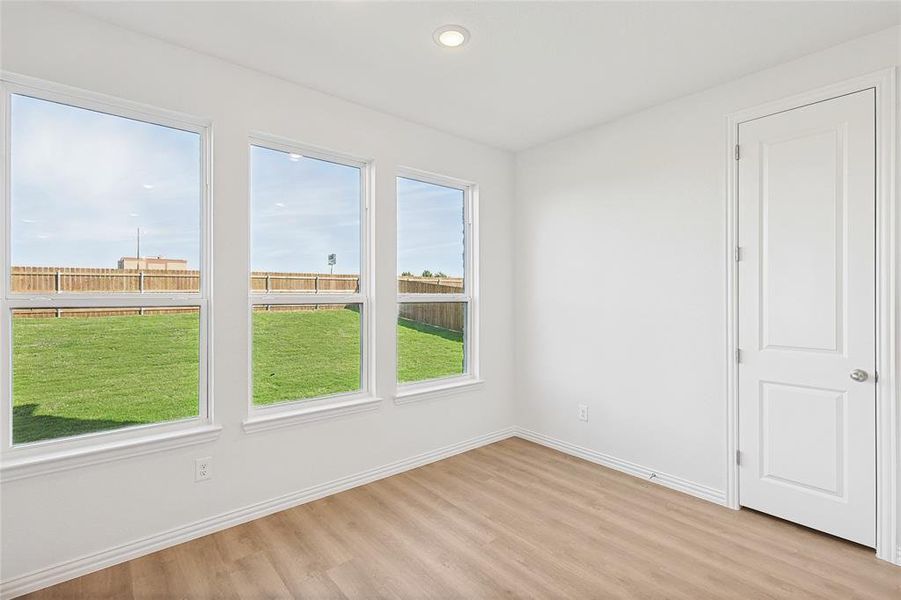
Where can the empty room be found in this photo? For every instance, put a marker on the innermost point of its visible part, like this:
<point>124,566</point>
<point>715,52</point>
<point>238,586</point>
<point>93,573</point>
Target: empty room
<point>407,300</point>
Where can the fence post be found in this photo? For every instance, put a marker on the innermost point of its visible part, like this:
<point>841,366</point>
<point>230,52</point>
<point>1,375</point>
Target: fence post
<point>59,277</point>
<point>268,282</point>
<point>316,284</point>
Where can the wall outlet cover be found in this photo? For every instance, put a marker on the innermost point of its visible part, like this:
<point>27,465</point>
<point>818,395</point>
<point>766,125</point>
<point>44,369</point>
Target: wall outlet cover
<point>203,468</point>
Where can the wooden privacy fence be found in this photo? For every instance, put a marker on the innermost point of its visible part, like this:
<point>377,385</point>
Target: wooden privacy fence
<point>80,280</point>
<point>446,315</point>
<point>429,285</point>
<point>53,280</point>
<point>303,282</point>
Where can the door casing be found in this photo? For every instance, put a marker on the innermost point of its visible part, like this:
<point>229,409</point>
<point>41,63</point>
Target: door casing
<point>888,326</point>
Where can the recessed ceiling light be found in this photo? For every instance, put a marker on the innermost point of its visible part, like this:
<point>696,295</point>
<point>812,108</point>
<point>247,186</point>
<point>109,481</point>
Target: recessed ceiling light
<point>451,36</point>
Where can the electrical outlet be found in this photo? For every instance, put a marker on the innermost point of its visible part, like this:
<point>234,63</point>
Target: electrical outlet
<point>203,468</point>
<point>583,412</point>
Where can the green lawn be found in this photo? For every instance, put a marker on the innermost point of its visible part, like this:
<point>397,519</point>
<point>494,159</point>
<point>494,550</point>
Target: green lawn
<point>305,354</point>
<point>426,352</point>
<point>77,375</point>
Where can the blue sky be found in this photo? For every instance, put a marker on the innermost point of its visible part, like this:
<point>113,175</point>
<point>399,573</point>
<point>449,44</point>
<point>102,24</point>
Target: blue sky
<point>429,228</point>
<point>303,209</point>
<point>82,182</point>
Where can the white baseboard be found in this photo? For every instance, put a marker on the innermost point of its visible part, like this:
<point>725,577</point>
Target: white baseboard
<point>70,569</point>
<point>671,481</point>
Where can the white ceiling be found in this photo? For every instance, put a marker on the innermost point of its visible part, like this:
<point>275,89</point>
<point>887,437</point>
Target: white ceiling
<point>531,72</point>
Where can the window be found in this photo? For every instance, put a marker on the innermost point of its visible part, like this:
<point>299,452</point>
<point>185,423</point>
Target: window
<point>105,295</point>
<point>436,306</point>
<point>309,277</point>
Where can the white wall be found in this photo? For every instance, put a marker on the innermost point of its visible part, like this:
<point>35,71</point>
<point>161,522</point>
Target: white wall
<point>621,272</point>
<point>58,517</point>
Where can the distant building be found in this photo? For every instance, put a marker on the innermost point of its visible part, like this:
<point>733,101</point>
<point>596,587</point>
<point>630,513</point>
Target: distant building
<point>150,263</point>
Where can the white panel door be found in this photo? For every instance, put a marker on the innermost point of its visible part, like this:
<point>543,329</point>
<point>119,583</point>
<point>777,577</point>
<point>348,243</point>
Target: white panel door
<point>807,324</point>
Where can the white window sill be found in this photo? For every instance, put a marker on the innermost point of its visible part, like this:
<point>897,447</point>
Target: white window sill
<point>310,413</point>
<point>13,468</point>
<point>435,389</point>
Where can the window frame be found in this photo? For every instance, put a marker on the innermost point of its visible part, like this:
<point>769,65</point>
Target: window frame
<point>471,377</point>
<point>22,460</point>
<point>290,412</point>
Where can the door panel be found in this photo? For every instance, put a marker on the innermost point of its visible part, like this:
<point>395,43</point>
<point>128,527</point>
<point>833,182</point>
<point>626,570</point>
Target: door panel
<point>818,465</point>
<point>807,315</point>
<point>801,185</point>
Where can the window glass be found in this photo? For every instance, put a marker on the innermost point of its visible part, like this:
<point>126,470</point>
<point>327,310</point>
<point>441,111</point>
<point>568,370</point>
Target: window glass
<point>101,205</point>
<point>305,223</point>
<point>98,199</point>
<point>305,351</point>
<point>306,240</point>
<point>83,370</point>
<point>430,238</point>
<point>430,340</point>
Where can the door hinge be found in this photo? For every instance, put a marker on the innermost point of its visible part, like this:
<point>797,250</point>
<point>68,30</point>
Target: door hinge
<point>738,254</point>
<point>737,152</point>
<point>738,457</point>
<point>738,355</point>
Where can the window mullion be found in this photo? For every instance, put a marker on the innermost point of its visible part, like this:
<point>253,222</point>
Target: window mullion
<point>282,298</point>
<point>428,298</point>
<point>83,301</point>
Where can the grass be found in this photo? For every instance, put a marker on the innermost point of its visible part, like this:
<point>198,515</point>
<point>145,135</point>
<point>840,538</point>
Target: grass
<point>426,352</point>
<point>305,354</point>
<point>79,375</point>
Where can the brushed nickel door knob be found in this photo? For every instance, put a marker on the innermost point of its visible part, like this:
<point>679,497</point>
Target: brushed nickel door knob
<point>859,375</point>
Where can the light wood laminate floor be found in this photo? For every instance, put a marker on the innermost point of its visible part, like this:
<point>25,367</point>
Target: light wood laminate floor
<point>510,519</point>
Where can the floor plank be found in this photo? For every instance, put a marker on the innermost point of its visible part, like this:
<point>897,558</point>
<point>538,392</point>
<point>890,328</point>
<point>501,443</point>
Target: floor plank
<point>512,519</point>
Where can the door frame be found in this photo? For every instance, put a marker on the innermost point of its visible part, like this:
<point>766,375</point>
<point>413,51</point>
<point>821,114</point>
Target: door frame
<point>888,327</point>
